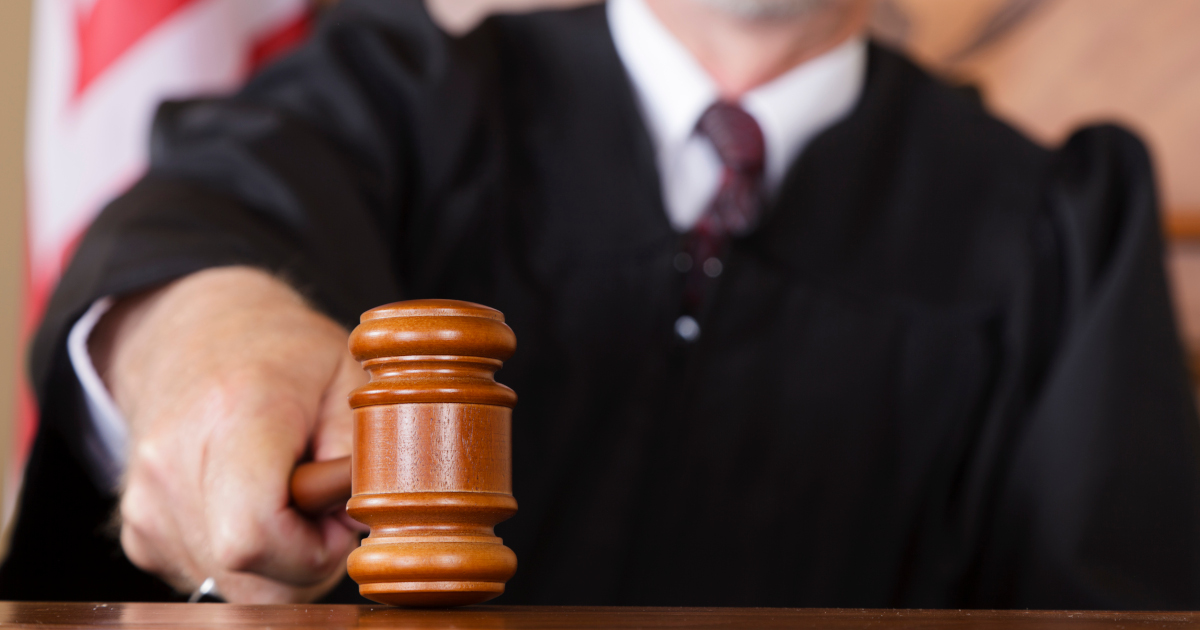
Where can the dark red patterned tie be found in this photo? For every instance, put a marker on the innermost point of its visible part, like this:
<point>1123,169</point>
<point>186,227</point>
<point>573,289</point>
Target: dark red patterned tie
<point>735,208</point>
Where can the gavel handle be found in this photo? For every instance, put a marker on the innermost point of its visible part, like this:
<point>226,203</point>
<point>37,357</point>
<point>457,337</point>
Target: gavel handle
<point>318,487</point>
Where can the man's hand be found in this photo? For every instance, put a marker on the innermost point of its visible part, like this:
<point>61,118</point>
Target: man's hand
<point>227,378</point>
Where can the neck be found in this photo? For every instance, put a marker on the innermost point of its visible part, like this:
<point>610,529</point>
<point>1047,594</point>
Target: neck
<point>741,53</point>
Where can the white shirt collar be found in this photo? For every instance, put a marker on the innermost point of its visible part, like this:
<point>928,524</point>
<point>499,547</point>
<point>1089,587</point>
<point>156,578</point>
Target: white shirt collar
<point>672,88</point>
<point>673,91</point>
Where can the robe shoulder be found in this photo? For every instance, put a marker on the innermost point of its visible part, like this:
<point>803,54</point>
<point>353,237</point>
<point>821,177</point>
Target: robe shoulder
<point>938,200</point>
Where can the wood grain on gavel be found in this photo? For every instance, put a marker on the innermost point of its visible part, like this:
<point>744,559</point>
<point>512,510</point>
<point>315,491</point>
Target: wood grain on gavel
<point>431,470</point>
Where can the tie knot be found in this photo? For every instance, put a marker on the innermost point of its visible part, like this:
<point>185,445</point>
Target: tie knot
<point>735,135</point>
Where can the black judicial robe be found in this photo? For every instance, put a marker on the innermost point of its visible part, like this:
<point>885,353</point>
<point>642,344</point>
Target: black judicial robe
<point>943,372</point>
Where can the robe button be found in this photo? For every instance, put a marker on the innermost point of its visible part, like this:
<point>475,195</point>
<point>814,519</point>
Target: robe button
<point>713,267</point>
<point>687,328</point>
<point>683,262</point>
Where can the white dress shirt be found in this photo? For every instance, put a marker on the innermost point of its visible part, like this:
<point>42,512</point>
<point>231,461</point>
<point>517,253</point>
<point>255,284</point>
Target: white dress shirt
<point>672,91</point>
<point>107,442</point>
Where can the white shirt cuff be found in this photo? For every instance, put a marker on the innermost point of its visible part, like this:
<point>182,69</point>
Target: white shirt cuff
<point>106,433</point>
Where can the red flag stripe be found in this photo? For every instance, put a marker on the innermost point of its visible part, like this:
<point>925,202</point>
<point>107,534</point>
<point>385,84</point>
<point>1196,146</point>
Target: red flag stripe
<point>111,28</point>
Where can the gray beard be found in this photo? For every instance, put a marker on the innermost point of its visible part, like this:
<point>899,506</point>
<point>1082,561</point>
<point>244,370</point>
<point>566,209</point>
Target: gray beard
<point>766,9</point>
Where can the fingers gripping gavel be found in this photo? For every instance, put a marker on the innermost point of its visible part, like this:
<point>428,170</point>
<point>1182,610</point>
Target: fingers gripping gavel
<point>431,469</point>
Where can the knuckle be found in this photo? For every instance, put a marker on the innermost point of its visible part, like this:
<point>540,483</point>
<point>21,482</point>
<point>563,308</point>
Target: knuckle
<point>136,551</point>
<point>238,548</point>
<point>251,389</point>
<point>137,536</point>
<point>137,514</point>
<point>149,465</point>
<point>231,388</point>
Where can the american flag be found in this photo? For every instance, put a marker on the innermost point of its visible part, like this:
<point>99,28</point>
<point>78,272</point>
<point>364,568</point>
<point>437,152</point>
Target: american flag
<point>99,70</point>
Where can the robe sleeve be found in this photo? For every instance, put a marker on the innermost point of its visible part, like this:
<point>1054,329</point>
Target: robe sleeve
<point>1098,503</point>
<point>311,172</point>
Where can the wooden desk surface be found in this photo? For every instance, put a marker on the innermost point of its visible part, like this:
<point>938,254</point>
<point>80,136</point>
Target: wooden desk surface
<point>42,615</point>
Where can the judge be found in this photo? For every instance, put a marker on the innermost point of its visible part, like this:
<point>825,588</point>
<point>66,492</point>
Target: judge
<point>799,325</point>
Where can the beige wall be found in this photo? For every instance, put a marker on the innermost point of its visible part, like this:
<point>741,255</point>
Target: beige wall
<point>14,64</point>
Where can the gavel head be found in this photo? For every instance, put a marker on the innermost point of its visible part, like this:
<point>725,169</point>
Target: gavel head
<point>432,453</point>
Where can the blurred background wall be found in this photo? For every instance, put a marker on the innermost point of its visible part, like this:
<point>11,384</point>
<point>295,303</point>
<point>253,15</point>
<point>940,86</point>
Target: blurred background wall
<point>14,64</point>
<point>1046,66</point>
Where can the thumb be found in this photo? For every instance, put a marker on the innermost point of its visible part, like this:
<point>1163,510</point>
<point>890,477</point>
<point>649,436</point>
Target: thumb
<point>333,435</point>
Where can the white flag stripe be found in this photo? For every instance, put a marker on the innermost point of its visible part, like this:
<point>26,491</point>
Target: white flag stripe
<point>83,152</point>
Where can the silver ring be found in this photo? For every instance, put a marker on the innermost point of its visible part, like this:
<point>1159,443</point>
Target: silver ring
<point>206,587</point>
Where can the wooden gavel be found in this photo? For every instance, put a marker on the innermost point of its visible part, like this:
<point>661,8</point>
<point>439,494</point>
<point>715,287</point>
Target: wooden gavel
<point>431,470</point>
